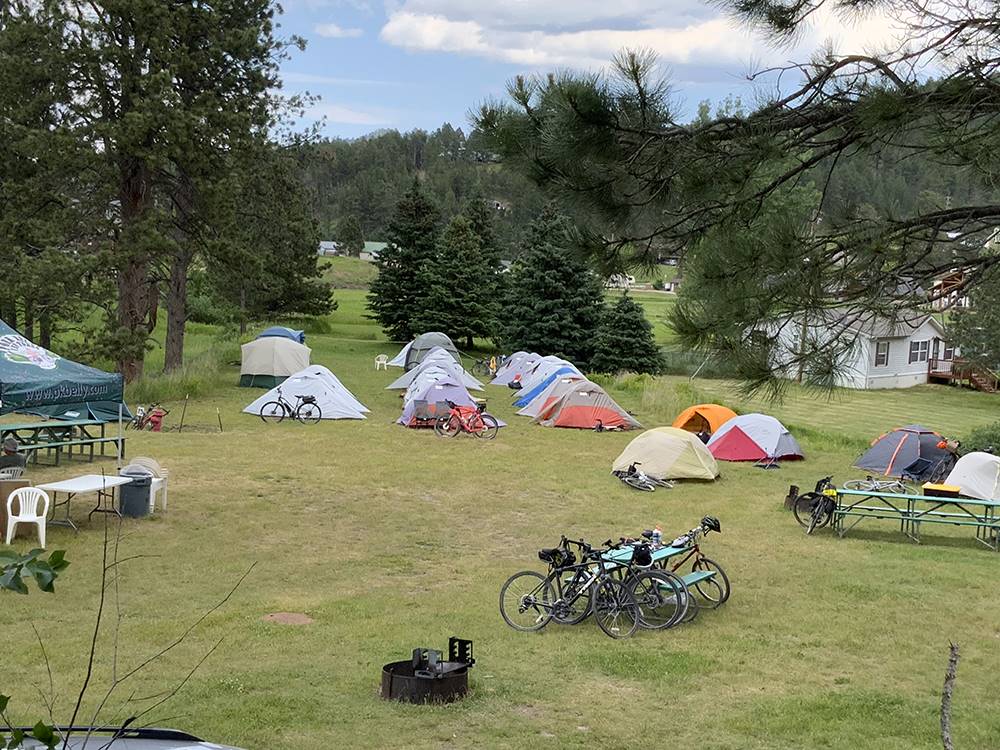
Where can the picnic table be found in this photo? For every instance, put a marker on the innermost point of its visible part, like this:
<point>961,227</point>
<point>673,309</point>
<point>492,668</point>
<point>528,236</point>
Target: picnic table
<point>58,435</point>
<point>88,484</point>
<point>912,511</point>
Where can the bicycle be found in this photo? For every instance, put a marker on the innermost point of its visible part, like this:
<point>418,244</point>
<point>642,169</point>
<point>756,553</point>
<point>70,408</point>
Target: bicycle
<point>639,480</point>
<point>146,419</point>
<point>896,486</point>
<point>482,367</point>
<point>716,589</point>
<point>569,592</point>
<point>305,411</point>
<point>663,598</point>
<point>473,420</point>
<point>815,509</point>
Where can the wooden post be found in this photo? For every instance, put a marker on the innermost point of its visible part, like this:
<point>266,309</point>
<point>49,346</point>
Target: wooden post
<point>949,689</point>
<point>219,415</point>
<point>183,412</point>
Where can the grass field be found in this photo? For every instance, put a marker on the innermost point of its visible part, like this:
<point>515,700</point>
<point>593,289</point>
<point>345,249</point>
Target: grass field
<point>392,538</point>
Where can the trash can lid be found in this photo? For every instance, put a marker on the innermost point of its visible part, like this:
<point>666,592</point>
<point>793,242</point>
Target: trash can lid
<point>134,470</point>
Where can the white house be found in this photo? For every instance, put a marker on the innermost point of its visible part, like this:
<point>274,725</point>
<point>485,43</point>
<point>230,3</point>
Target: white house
<point>878,353</point>
<point>371,250</point>
<point>328,248</point>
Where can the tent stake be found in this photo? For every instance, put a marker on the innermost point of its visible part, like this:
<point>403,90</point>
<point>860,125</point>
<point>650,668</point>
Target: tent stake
<point>219,415</point>
<point>183,412</point>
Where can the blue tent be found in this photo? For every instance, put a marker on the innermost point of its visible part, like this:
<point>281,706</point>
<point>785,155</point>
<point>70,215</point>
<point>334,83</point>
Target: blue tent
<point>282,332</point>
<point>525,398</point>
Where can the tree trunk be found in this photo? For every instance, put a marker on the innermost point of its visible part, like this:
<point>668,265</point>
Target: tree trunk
<point>134,305</point>
<point>468,342</point>
<point>45,329</point>
<point>28,329</point>
<point>8,312</point>
<point>173,351</point>
<point>243,311</point>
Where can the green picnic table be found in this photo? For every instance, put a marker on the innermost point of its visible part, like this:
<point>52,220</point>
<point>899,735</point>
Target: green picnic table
<point>912,511</point>
<point>58,435</point>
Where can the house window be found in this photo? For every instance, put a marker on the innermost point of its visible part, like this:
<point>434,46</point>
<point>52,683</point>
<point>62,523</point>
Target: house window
<point>949,352</point>
<point>919,351</point>
<point>881,353</point>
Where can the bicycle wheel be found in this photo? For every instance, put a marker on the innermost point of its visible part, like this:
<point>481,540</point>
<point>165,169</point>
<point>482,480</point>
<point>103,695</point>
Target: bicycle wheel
<point>448,426</point>
<point>660,597</point>
<point>860,484</point>
<point>615,609</point>
<point>720,578</point>
<point>637,484</point>
<point>802,510</point>
<point>273,411</point>
<point>309,413</point>
<point>820,517</point>
<point>665,483</point>
<point>526,601</point>
<point>489,427</point>
<point>575,605</point>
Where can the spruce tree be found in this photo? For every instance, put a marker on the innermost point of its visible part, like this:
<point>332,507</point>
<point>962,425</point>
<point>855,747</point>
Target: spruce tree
<point>553,300</point>
<point>459,283</point>
<point>624,340</point>
<point>350,237</point>
<point>397,294</point>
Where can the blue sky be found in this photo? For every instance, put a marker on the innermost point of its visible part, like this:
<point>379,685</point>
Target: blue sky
<point>418,63</point>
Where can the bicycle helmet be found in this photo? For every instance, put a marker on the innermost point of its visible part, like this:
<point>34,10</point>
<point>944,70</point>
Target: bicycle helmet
<point>711,523</point>
<point>642,555</point>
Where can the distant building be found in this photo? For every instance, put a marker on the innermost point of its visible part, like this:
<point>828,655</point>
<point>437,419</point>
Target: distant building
<point>619,281</point>
<point>328,247</point>
<point>673,285</point>
<point>948,291</point>
<point>371,250</point>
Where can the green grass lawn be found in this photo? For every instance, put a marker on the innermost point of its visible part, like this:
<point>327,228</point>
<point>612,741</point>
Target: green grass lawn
<point>347,273</point>
<point>392,538</point>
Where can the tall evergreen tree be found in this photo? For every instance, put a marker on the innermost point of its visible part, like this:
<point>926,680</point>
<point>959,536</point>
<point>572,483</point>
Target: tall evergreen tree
<point>350,237</point>
<point>976,329</point>
<point>396,295</point>
<point>459,283</point>
<point>553,300</point>
<point>624,340</point>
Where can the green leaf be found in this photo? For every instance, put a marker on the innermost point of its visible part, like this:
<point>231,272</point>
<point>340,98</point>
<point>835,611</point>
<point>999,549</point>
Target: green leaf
<point>11,580</point>
<point>44,734</point>
<point>57,560</point>
<point>16,739</point>
<point>4,700</point>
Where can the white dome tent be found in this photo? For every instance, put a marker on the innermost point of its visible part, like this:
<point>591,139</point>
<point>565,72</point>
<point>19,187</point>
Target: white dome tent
<point>332,397</point>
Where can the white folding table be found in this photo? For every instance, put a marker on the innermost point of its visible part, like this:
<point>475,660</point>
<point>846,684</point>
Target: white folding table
<point>88,484</point>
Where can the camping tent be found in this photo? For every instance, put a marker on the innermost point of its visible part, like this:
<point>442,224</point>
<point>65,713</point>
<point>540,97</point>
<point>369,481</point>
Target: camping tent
<point>433,392</point>
<point>335,401</point>
<point>36,381</point>
<point>703,418</point>
<point>669,453</point>
<point>400,359</point>
<point>424,344</point>
<point>439,359</point>
<point>541,380</point>
<point>753,437</point>
<point>515,368</point>
<point>912,449</point>
<point>584,406</point>
<point>268,361</point>
<point>282,332</point>
<point>552,392</point>
<point>978,475</point>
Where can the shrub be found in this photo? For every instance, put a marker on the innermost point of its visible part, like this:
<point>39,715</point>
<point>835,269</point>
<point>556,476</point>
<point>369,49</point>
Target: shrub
<point>986,438</point>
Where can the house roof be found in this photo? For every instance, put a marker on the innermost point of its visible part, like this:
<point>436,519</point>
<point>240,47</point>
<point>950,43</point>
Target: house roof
<point>880,326</point>
<point>375,247</point>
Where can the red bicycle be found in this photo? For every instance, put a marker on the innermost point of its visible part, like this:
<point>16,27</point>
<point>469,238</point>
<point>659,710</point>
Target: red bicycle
<point>471,419</point>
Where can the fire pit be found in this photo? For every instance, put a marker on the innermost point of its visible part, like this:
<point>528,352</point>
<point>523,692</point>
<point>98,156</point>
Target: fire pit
<point>425,678</point>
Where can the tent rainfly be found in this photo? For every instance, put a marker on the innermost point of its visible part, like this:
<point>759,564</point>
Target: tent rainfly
<point>441,359</point>
<point>37,381</point>
<point>282,332</point>
<point>400,359</point>
<point>433,392</point>
<point>977,475</point>
<point>540,379</point>
<point>586,406</point>
<point>669,453</point>
<point>424,344</point>
<point>333,399</point>
<point>753,437</point>
<point>912,450</point>
<point>515,368</point>
<point>703,418</point>
<point>552,393</point>
<point>268,361</point>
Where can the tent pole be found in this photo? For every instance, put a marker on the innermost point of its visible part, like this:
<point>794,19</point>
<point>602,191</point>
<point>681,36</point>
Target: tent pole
<point>118,442</point>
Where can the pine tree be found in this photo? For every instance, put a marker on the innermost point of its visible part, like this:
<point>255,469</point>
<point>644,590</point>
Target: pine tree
<point>396,295</point>
<point>459,283</point>
<point>350,238</point>
<point>976,329</point>
<point>554,300</point>
<point>624,340</point>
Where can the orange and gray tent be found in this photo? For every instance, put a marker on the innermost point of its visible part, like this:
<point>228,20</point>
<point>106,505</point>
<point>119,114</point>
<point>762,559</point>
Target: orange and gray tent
<point>585,406</point>
<point>669,453</point>
<point>703,418</point>
<point>912,450</point>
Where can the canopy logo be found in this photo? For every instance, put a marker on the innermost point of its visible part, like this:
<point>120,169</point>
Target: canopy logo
<point>19,350</point>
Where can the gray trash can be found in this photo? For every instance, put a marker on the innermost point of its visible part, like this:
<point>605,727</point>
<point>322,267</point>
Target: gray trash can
<point>133,498</point>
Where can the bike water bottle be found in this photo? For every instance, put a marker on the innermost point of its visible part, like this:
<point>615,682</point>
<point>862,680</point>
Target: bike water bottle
<point>657,536</point>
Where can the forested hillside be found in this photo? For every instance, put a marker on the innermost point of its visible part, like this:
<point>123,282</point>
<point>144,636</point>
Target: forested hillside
<point>365,178</point>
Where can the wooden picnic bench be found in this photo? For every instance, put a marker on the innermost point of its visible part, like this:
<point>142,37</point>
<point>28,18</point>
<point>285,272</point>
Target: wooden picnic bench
<point>58,436</point>
<point>855,506</point>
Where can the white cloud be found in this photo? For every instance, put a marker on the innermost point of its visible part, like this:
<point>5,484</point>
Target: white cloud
<point>336,113</point>
<point>587,33</point>
<point>333,31</point>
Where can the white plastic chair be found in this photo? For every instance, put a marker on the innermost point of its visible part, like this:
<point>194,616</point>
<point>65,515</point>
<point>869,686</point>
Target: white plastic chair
<point>28,499</point>
<point>12,472</point>
<point>382,362</point>
<point>159,484</point>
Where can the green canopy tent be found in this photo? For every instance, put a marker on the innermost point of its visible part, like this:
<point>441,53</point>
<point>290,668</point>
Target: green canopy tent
<point>36,381</point>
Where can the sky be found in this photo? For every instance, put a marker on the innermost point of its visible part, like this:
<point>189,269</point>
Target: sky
<point>408,64</point>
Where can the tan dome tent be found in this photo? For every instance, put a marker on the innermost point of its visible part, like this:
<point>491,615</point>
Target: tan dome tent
<point>669,453</point>
<point>269,361</point>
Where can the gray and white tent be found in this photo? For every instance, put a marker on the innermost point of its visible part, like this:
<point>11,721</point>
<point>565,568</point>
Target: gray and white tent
<point>438,358</point>
<point>978,475</point>
<point>332,397</point>
<point>400,359</point>
<point>424,344</point>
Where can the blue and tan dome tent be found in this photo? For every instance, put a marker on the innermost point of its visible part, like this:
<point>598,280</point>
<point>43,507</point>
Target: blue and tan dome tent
<point>284,333</point>
<point>912,450</point>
